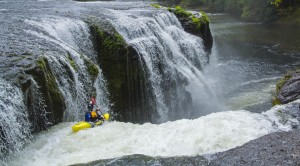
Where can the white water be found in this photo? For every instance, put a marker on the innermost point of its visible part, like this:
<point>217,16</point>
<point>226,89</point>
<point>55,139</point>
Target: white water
<point>209,134</point>
<point>13,118</point>
<point>73,36</point>
<point>170,54</point>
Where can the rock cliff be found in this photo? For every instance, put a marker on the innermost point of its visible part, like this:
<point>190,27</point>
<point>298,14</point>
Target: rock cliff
<point>126,78</point>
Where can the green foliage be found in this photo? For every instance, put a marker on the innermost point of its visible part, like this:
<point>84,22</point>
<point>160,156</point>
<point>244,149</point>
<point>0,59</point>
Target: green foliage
<point>252,10</point>
<point>285,7</point>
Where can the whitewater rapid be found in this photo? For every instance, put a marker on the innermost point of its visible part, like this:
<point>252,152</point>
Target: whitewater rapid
<point>206,135</point>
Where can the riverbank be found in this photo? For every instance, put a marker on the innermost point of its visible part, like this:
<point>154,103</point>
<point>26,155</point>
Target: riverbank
<point>281,148</point>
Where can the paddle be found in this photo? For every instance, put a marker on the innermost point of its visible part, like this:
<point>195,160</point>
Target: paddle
<point>98,108</point>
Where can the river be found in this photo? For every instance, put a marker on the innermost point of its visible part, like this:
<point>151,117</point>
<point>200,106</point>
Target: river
<point>246,62</point>
<point>248,59</point>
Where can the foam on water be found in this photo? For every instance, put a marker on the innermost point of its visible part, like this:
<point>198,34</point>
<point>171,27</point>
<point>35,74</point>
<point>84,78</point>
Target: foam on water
<point>209,134</point>
<point>14,124</point>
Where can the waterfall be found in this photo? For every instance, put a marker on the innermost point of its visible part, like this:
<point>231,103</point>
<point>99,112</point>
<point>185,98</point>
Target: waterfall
<point>70,67</point>
<point>14,123</point>
<point>173,58</point>
<point>37,114</point>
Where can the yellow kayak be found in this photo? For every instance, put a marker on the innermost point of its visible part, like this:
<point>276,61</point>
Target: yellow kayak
<point>85,125</point>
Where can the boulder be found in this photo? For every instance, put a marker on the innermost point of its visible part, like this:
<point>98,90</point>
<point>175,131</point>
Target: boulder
<point>288,88</point>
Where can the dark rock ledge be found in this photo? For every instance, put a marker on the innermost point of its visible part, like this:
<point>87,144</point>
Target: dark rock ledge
<point>281,148</point>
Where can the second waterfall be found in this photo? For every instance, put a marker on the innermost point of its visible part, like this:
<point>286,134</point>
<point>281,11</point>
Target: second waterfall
<point>172,60</point>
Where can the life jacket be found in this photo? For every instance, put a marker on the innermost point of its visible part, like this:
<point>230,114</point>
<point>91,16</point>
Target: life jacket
<point>87,117</point>
<point>93,114</point>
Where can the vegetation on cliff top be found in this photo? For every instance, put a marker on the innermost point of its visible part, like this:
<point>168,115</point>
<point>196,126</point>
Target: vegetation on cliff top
<point>198,21</point>
<point>254,10</point>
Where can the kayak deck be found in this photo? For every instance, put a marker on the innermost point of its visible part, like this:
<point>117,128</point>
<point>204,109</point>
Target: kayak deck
<point>85,125</point>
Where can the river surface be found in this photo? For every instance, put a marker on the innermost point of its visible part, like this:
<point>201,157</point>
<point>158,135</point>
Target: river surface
<point>246,62</point>
<point>248,59</point>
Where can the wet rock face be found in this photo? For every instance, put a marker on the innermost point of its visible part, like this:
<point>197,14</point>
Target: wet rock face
<point>123,70</point>
<point>203,32</point>
<point>288,89</point>
<point>44,101</point>
<point>282,148</point>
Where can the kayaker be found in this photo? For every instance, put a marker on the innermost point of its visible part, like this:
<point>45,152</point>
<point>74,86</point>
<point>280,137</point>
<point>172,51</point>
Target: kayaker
<point>93,115</point>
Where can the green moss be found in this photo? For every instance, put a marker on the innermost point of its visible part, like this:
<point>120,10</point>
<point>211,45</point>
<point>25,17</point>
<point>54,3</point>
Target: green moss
<point>204,17</point>
<point>279,85</point>
<point>156,6</point>
<point>181,12</point>
<point>41,63</point>
<point>92,69</point>
<point>197,21</point>
<point>72,62</point>
<point>113,41</point>
<point>44,77</point>
<point>276,101</point>
<point>282,82</point>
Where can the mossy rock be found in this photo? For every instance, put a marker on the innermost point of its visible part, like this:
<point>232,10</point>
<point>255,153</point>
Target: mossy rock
<point>195,24</point>
<point>280,84</point>
<point>55,106</point>
<point>123,70</point>
<point>156,6</point>
<point>92,69</point>
<point>288,88</point>
<point>72,62</point>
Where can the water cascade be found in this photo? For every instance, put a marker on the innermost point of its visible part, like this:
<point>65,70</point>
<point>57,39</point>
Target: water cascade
<point>174,60</point>
<point>72,68</point>
<point>71,61</point>
<point>206,135</point>
<point>15,127</point>
<point>60,42</point>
